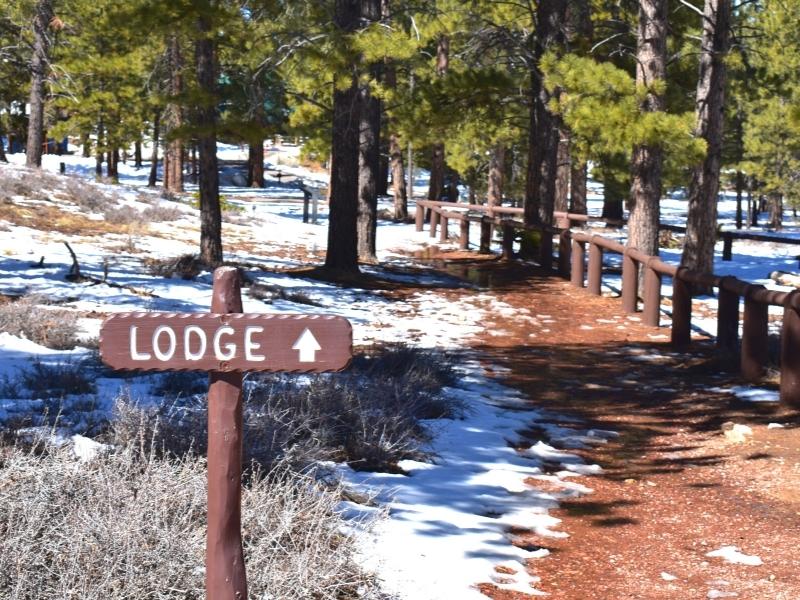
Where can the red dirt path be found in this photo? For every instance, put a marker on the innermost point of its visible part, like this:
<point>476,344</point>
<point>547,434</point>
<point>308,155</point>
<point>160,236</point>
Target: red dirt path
<point>673,486</point>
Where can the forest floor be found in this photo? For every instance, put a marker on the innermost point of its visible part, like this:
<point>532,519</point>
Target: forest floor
<point>674,486</point>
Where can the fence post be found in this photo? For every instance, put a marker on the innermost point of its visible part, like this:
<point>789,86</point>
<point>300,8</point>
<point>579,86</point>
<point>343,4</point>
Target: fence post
<point>651,314</point>
<point>486,234</point>
<point>508,242</point>
<point>727,246</point>
<point>727,317</point>
<point>630,283</point>
<point>434,222</point>
<point>755,336</point>
<point>790,357</point>
<point>419,217</point>
<point>681,309</point>
<point>595,277</point>
<point>564,252</point>
<point>443,222</point>
<point>578,261</point>
<point>463,240</point>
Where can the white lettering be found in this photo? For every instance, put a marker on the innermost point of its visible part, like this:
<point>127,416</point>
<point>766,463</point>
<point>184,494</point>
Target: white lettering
<point>173,342</point>
<point>201,335</point>
<point>135,354</point>
<point>250,345</point>
<point>231,348</point>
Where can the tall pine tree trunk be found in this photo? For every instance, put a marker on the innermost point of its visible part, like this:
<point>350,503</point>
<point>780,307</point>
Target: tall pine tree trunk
<point>173,150</point>
<point>775,203</point>
<point>398,179</point>
<point>543,133</point>
<point>369,153</point>
<point>2,149</point>
<point>151,181</point>
<point>646,166</point>
<point>578,176</point>
<point>436,183</point>
<point>255,164</point>
<point>561,202</point>
<point>206,125</point>
<point>99,153</point>
<point>701,225</point>
<point>39,66</point>
<point>497,167</point>
<point>137,154</point>
<point>342,250</point>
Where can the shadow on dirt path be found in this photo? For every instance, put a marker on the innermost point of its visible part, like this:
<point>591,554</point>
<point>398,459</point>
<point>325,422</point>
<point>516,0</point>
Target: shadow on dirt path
<point>674,485</point>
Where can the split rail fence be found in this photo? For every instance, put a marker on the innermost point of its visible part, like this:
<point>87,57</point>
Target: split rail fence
<point>752,350</point>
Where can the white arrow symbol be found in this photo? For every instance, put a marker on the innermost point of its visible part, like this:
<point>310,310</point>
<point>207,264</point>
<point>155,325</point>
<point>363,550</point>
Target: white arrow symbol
<point>307,345</point>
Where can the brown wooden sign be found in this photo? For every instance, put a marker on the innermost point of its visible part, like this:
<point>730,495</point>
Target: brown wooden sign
<point>226,342</point>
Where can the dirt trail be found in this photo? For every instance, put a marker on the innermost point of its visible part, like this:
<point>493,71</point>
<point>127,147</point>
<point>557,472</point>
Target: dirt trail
<point>674,487</point>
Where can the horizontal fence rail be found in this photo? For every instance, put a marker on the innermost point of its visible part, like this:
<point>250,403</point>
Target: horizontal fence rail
<point>579,258</point>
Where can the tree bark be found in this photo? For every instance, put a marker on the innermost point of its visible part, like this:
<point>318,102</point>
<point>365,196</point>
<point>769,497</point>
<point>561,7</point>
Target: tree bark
<point>342,250</point>
<point>255,165</point>
<point>614,193</point>
<point>137,154</point>
<point>398,179</point>
<point>646,167</point>
<point>543,132</point>
<point>2,149</point>
<point>86,145</point>
<point>561,201</point>
<point>701,225</point>
<point>173,151</point>
<point>39,65</point>
<point>112,165</point>
<point>497,164</point>
<point>775,202</point>
<point>436,183</point>
<point>577,188</point>
<point>151,181</point>
<point>206,124</point>
<point>739,197</point>
<point>384,165</point>
<point>99,154</point>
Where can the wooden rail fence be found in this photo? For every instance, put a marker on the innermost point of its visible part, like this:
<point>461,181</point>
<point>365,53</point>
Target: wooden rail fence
<point>573,246</point>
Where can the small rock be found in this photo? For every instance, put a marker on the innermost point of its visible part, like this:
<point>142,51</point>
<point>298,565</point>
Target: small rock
<point>667,577</point>
<point>775,426</point>
<point>721,594</point>
<point>736,433</point>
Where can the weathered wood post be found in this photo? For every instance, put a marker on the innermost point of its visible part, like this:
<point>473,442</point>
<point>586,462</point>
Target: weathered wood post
<point>728,316</point>
<point>444,233</point>
<point>630,282</point>
<point>681,309</point>
<point>651,315</point>
<point>486,234</point>
<point>225,343</point>
<point>755,335</point>
<point>578,270</point>
<point>419,217</point>
<point>790,357</point>
<point>463,238</point>
<point>434,222</point>
<point>727,246</point>
<point>508,242</point>
<point>565,253</point>
<point>595,277</point>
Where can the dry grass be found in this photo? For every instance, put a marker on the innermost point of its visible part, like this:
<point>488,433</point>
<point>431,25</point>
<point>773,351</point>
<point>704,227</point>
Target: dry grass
<point>31,317</point>
<point>370,417</point>
<point>129,525</point>
<point>186,266</point>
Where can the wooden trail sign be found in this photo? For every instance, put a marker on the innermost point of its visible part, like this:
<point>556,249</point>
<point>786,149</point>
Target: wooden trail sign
<point>226,343</point>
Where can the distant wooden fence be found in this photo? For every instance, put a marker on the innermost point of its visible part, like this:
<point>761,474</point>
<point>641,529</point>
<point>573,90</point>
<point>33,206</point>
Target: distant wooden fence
<point>573,247</point>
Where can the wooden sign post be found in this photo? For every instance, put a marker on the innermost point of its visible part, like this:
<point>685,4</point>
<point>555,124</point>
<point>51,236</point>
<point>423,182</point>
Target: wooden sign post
<point>226,343</point>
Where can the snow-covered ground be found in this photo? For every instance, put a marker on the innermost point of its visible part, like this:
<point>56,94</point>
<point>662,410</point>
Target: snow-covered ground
<point>449,519</point>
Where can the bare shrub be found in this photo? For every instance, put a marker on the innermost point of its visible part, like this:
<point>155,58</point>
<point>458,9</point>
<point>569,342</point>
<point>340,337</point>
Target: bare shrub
<point>187,266</point>
<point>161,213</point>
<point>126,525</point>
<point>32,318</point>
<point>85,195</point>
<point>124,215</point>
<point>49,381</point>
<point>269,293</point>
